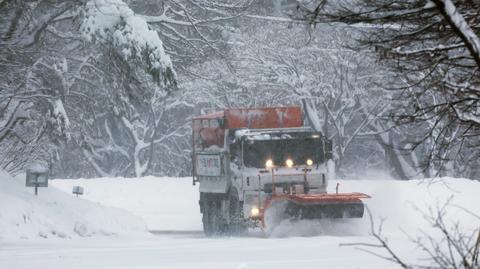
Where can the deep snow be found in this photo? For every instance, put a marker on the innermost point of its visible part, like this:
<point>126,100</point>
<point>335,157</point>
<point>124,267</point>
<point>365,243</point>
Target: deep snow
<point>172,204</point>
<point>164,203</point>
<point>55,214</point>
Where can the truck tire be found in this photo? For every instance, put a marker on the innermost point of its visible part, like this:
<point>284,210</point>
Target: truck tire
<point>214,223</point>
<point>206,219</point>
<point>236,223</point>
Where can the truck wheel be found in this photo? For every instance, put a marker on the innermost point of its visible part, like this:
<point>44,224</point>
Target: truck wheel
<point>218,222</point>
<point>213,221</point>
<point>237,224</point>
<point>207,219</point>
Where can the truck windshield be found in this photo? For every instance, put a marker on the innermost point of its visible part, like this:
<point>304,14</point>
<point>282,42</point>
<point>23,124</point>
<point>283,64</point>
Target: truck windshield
<point>257,152</point>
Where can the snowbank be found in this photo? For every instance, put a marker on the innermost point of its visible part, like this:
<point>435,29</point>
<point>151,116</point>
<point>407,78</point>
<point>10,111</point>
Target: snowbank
<point>55,214</point>
<point>164,203</point>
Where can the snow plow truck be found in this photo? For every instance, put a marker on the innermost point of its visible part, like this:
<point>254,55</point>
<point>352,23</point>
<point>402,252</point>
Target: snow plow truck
<point>251,160</point>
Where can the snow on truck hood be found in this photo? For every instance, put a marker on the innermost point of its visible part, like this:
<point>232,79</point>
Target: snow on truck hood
<point>270,134</point>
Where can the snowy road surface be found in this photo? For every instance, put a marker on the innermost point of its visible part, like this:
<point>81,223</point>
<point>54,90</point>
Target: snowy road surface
<point>170,205</point>
<point>175,251</point>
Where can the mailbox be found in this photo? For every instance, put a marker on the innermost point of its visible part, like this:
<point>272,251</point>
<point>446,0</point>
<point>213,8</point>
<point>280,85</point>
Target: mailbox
<point>77,190</point>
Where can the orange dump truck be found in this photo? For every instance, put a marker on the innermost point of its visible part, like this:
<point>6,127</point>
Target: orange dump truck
<point>250,160</point>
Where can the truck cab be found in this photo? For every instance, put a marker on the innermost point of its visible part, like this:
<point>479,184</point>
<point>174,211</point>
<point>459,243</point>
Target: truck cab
<point>278,162</point>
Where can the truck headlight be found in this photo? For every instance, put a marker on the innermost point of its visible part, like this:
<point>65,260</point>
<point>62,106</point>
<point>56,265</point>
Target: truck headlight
<point>289,162</point>
<point>309,162</point>
<point>254,212</point>
<point>269,163</point>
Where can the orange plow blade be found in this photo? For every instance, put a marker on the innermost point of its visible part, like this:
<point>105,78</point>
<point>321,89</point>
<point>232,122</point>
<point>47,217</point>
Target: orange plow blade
<point>320,206</point>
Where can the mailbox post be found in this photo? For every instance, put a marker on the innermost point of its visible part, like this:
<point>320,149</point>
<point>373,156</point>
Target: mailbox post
<point>77,190</point>
<point>37,176</point>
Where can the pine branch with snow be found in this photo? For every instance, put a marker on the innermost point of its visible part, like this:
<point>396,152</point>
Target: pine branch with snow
<point>114,22</point>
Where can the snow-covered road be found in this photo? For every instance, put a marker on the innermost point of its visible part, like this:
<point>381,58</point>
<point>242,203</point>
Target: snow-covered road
<point>179,251</point>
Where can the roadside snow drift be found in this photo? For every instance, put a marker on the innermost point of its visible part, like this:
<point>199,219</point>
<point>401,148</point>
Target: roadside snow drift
<point>55,214</point>
<point>165,203</point>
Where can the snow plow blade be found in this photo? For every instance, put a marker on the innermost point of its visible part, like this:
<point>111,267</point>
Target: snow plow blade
<point>322,206</point>
<point>311,206</point>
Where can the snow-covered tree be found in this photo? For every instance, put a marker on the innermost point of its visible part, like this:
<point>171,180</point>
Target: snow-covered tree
<point>137,132</point>
<point>32,85</point>
<point>433,47</point>
<point>113,22</point>
<point>60,63</point>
